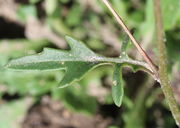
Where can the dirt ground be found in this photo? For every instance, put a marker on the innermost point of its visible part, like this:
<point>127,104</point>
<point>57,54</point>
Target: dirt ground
<point>52,114</point>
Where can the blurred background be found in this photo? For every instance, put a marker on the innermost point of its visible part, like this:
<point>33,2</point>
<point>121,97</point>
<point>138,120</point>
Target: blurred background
<point>33,99</point>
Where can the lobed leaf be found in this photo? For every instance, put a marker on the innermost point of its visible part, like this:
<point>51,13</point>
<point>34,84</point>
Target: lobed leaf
<point>73,74</point>
<point>77,61</point>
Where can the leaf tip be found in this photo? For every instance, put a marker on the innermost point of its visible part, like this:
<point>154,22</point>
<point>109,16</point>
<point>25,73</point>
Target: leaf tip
<point>71,41</point>
<point>68,38</point>
<point>118,104</point>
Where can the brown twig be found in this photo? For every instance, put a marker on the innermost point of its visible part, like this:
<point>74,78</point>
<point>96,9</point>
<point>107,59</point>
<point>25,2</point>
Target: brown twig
<point>140,49</point>
<point>165,83</point>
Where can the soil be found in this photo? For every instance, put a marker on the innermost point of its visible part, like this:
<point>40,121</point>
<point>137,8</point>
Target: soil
<point>52,114</point>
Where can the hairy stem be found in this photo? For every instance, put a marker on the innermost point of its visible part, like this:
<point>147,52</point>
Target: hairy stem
<point>134,41</point>
<point>165,83</point>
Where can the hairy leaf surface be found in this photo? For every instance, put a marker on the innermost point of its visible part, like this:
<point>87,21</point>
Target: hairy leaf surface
<point>77,61</point>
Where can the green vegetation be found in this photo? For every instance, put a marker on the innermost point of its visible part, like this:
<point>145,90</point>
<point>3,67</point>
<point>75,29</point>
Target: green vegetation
<point>97,67</point>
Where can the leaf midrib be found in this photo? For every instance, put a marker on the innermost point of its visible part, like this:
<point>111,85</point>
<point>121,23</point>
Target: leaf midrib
<point>98,59</point>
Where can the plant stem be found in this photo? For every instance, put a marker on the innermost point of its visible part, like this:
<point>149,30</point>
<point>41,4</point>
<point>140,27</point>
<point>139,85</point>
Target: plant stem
<point>140,49</point>
<point>165,83</point>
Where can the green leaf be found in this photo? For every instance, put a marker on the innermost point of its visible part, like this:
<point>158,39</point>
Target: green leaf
<point>78,61</point>
<point>73,74</point>
<point>120,6</point>
<point>171,12</point>
<point>124,47</point>
<point>12,113</point>
<point>25,11</point>
<point>51,6</point>
<point>34,1</point>
<point>51,59</point>
<point>117,88</point>
<point>74,62</point>
<point>74,16</point>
